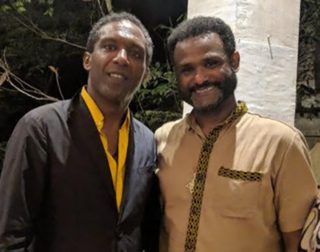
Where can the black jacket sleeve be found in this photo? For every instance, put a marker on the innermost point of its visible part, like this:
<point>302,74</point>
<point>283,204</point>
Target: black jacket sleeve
<point>22,184</point>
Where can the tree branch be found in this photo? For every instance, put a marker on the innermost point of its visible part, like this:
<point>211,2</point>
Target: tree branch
<point>27,23</point>
<point>20,85</point>
<point>109,5</point>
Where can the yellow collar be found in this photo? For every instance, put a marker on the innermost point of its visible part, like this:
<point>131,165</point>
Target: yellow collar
<point>96,113</point>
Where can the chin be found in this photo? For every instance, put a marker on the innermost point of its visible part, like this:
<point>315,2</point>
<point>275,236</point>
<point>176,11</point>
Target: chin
<point>210,107</point>
<point>206,109</point>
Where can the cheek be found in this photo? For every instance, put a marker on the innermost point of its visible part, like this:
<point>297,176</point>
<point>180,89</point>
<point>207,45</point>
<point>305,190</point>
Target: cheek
<point>140,71</point>
<point>184,81</point>
<point>182,86</point>
<point>103,59</point>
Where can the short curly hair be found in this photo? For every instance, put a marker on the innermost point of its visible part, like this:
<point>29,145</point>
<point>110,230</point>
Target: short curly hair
<point>116,17</point>
<point>198,26</point>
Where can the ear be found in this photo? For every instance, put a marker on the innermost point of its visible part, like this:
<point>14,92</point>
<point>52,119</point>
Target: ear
<point>86,61</point>
<point>235,61</point>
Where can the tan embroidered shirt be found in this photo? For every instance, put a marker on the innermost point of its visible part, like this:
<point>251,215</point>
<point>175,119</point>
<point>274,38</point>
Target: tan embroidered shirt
<point>259,184</point>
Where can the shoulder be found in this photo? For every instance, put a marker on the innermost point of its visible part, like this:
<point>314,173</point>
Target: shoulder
<point>45,111</point>
<point>143,140</point>
<point>43,116</point>
<point>268,127</point>
<point>166,129</point>
<point>139,126</point>
<point>142,134</point>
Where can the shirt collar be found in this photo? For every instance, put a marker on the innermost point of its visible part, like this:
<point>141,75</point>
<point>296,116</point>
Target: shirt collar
<point>96,113</point>
<point>194,126</point>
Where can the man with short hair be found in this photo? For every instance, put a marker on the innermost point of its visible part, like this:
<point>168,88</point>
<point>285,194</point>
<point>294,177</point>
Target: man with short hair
<point>231,181</point>
<point>78,174</point>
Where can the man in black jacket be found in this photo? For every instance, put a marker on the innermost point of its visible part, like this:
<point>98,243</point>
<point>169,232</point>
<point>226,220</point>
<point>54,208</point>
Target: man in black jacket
<point>78,174</point>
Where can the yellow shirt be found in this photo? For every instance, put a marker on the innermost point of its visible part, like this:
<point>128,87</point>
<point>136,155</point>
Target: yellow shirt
<point>117,167</point>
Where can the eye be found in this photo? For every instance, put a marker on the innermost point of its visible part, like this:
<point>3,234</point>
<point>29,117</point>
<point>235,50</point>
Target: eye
<point>185,70</point>
<point>211,63</point>
<point>109,47</point>
<point>136,54</point>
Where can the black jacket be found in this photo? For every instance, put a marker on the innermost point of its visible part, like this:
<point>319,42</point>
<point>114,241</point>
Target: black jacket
<point>56,191</point>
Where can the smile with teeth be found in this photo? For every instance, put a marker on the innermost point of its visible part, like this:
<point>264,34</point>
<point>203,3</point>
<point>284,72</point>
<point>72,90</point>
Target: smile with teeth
<point>203,89</point>
<point>117,76</point>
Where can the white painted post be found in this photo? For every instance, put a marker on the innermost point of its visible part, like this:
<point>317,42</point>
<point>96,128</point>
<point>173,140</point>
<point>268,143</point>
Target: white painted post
<point>267,35</point>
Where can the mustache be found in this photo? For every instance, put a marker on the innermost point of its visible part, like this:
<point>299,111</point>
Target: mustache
<point>205,84</point>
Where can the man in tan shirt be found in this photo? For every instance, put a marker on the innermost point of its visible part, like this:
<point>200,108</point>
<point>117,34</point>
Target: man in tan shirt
<point>231,181</point>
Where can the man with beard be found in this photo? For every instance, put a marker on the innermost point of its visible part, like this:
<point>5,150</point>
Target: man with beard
<point>78,174</point>
<point>231,181</point>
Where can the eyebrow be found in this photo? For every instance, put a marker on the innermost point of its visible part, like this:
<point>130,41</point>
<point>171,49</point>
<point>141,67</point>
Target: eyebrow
<point>183,65</point>
<point>130,43</point>
<point>106,39</point>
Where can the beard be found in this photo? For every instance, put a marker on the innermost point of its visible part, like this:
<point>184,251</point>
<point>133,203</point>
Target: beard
<point>226,88</point>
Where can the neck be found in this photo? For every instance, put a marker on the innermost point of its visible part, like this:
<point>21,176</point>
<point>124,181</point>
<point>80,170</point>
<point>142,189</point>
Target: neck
<point>114,115</point>
<point>211,119</point>
<point>113,112</point>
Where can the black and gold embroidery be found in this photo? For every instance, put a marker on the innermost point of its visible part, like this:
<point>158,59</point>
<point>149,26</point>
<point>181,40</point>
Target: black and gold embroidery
<point>200,179</point>
<point>240,175</point>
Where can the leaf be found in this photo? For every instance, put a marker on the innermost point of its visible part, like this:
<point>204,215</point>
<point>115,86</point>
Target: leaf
<point>21,9</point>
<point>48,12</point>
<point>5,8</point>
<point>19,4</point>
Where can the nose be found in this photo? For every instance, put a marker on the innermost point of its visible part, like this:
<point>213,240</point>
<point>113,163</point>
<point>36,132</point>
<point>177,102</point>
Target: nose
<point>121,57</point>
<point>200,76</point>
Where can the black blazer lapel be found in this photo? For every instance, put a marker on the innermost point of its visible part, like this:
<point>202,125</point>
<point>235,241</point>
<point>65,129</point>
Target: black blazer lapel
<point>128,167</point>
<point>86,138</point>
<point>139,169</point>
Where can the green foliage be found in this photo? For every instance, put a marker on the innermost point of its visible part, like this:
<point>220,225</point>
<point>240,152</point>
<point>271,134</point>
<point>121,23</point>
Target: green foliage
<point>161,87</point>
<point>154,118</point>
<point>30,57</point>
<point>21,6</point>
<point>309,37</point>
<point>158,102</point>
<point>309,25</point>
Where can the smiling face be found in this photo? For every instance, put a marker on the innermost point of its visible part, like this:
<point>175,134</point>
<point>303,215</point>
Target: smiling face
<point>206,75</point>
<point>117,65</point>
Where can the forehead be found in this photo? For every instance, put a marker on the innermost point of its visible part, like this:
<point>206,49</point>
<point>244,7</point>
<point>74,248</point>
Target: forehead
<point>124,30</point>
<point>199,45</point>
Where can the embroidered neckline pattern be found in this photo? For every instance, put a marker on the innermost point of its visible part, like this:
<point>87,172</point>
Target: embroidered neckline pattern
<point>200,178</point>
